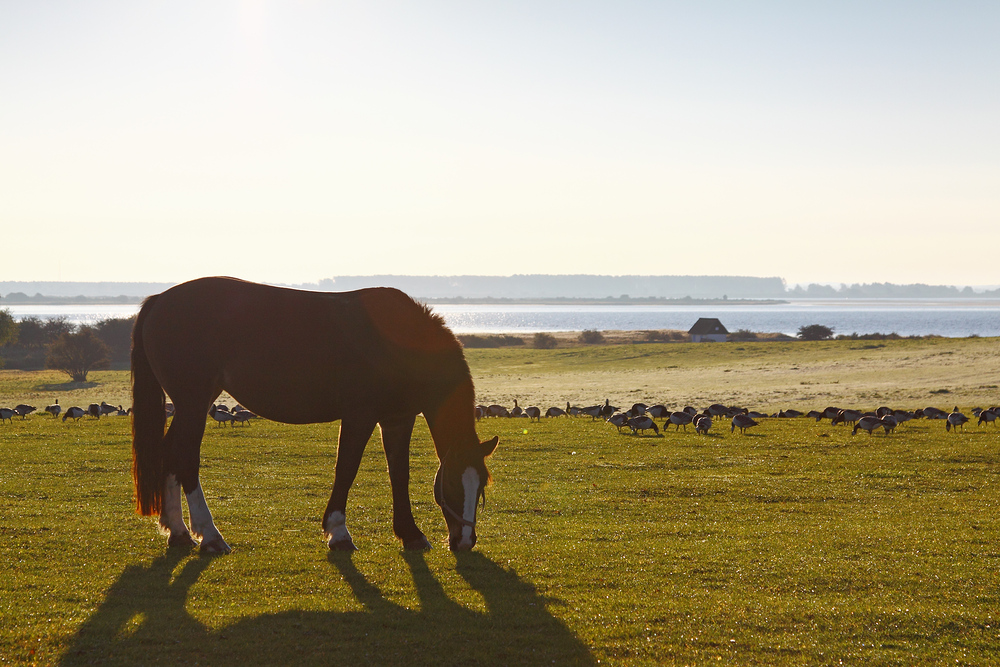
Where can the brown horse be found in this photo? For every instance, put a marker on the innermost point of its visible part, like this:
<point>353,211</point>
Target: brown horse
<point>369,357</point>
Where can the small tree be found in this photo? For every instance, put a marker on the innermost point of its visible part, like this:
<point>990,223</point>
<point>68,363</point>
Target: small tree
<point>8,329</point>
<point>815,332</point>
<point>543,341</point>
<point>76,354</point>
<point>591,337</point>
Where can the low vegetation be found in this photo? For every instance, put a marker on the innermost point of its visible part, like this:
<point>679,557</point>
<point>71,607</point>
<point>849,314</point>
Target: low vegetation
<point>794,544</point>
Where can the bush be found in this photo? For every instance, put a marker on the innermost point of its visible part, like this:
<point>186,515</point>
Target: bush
<point>664,336</point>
<point>743,335</point>
<point>502,340</point>
<point>591,337</point>
<point>815,332</point>
<point>76,354</point>
<point>543,341</point>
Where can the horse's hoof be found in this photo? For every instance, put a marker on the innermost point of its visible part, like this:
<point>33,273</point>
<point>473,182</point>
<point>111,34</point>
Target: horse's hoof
<point>216,546</point>
<point>181,540</point>
<point>343,545</point>
<point>418,544</point>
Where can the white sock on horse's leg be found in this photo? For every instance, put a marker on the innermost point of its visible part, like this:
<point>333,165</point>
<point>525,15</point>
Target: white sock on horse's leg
<point>172,517</point>
<point>202,524</point>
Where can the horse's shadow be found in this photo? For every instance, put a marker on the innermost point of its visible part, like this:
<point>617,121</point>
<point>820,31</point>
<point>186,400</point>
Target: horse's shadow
<point>144,615</point>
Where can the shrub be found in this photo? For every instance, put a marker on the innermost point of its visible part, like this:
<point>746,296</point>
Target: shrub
<point>501,340</point>
<point>76,354</point>
<point>743,335</point>
<point>591,337</point>
<point>815,332</point>
<point>543,341</point>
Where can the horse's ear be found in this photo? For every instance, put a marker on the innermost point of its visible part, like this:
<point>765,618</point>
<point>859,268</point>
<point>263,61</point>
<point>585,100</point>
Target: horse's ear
<point>489,446</point>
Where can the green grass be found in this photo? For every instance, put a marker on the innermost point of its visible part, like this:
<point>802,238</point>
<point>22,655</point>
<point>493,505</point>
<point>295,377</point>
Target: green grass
<point>794,544</point>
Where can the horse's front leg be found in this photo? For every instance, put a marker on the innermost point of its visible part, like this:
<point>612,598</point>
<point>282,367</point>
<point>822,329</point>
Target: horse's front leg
<point>396,434</point>
<point>172,516</point>
<point>354,434</point>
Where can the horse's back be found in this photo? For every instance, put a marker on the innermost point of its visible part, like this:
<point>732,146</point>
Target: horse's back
<point>288,355</point>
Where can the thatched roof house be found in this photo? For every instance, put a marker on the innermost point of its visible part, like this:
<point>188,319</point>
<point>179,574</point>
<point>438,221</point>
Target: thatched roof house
<point>708,329</point>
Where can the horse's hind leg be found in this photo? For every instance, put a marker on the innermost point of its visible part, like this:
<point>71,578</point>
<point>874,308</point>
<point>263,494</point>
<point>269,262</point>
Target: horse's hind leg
<point>354,434</point>
<point>184,436</point>
<point>396,434</point>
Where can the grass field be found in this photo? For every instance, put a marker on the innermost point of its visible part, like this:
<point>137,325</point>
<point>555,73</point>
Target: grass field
<point>794,544</point>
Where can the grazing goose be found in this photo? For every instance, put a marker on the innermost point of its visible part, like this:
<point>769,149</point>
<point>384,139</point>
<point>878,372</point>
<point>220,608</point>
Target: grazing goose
<point>717,410</point>
<point>516,411</point>
<point>241,416</point>
<point>593,410</point>
<point>642,423</point>
<point>480,412</point>
<point>608,409</point>
<point>24,410</point>
<point>868,423</point>
<point>54,409</point>
<point>94,410</point>
<point>955,420</point>
<point>619,420</point>
<point>107,409</point>
<point>742,422</point>
<point>220,415</point>
<point>935,413</point>
<point>889,423</point>
<point>702,423</point>
<point>988,416</point>
<point>846,417</point>
<point>679,419</point>
<point>533,412</point>
<point>7,415</point>
<point>658,411</point>
<point>639,409</point>
<point>123,413</point>
<point>555,412</point>
<point>497,411</point>
<point>74,413</point>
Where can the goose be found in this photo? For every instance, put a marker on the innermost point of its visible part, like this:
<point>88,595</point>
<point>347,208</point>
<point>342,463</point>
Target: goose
<point>593,410</point>
<point>702,423</point>
<point>793,413</point>
<point>555,412</point>
<point>480,412</point>
<point>846,417</point>
<point>533,412</point>
<point>642,423</point>
<point>955,420</point>
<point>573,410</point>
<point>883,411</point>
<point>987,416</point>
<point>690,410</point>
<point>7,415</point>
<point>107,409</point>
<point>679,419</point>
<point>618,420</point>
<point>497,411</point>
<point>220,415</point>
<point>242,416</point>
<point>24,410</point>
<point>94,410</point>
<point>516,411</point>
<point>74,413</point>
<point>639,409</point>
<point>658,411</point>
<point>169,409</point>
<point>814,414</point>
<point>868,423</point>
<point>742,422</point>
<point>889,423</point>
<point>608,409</point>
<point>717,410</point>
<point>935,413</point>
<point>122,413</point>
<point>54,409</point>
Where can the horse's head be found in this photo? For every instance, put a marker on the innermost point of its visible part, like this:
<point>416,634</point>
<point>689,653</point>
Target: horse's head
<point>459,484</point>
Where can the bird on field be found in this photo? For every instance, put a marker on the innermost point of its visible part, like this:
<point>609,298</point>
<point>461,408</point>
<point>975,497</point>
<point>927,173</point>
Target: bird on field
<point>867,423</point>
<point>742,422</point>
<point>497,411</point>
<point>555,412</point>
<point>679,419</point>
<point>619,420</point>
<point>533,412</point>
<point>516,410</point>
<point>480,412</point>
<point>608,409</point>
<point>717,410</point>
<point>955,420</point>
<point>107,409</point>
<point>74,413</point>
<point>702,423</point>
<point>241,416</point>
<point>642,423</point>
<point>790,413</point>
<point>220,415</point>
<point>6,414</point>
<point>120,412</point>
<point>94,410</point>
<point>658,411</point>
<point>846,417</point>
<point>889,423</point>
<point>54,409</point>
<point>24,410</point>
<point>935,413</point>
<point>987,416</point>
<point>169,409</point>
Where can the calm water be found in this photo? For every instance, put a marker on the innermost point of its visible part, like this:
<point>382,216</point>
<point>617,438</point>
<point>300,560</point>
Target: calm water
<point>905,317</point>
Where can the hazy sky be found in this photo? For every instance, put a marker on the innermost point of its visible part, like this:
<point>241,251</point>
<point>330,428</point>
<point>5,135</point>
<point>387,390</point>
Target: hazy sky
<point>293,141</point>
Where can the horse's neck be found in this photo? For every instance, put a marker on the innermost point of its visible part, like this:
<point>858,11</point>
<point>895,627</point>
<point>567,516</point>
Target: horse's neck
<point>453,424</point>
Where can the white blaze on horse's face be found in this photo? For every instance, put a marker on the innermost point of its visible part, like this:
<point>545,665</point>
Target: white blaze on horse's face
<point>470,484</point>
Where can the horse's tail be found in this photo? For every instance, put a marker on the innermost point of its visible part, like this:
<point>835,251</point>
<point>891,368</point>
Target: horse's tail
<point>149,419</point>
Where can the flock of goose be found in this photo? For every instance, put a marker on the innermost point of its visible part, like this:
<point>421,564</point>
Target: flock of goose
<point>220,413</point>
<point>641,417</point>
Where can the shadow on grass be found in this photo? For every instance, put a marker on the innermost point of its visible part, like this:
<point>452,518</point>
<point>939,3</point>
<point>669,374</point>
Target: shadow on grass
<point>65,386</point>
<point>143,619</point>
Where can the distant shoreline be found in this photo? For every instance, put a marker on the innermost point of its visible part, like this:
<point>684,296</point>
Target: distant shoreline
<point>608,301</point>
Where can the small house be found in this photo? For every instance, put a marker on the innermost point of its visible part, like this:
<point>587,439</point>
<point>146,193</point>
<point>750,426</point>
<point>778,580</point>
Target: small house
<point>708,329</point>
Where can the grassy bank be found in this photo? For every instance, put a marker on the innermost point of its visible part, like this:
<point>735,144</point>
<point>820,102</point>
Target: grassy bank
<point>796,543</point>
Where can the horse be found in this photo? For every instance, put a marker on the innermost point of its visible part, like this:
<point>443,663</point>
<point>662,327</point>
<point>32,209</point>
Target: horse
<point>371,357</point>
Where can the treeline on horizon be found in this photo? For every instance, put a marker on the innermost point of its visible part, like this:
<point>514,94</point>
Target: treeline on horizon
<point>522,287</point>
